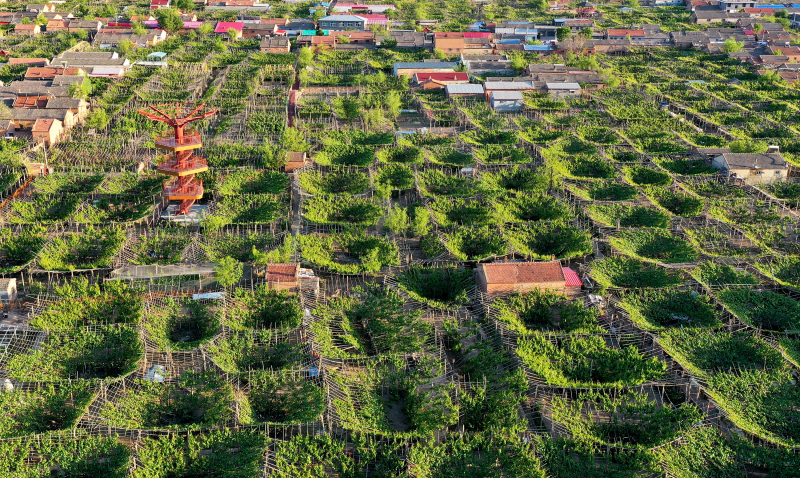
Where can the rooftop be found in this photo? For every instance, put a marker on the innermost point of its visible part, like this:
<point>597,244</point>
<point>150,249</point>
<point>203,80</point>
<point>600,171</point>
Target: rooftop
<point>523,272</point>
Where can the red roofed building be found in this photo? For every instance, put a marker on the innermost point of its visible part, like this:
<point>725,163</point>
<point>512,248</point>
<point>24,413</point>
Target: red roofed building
<point>223,27</point>
<point>50,72</point>
<point>156,4</point>
<point>46,130</point>
<point>282,276</point>
<point>619,34</point>
<point>509,277</point>
<point>760,12</point>
<point>29,61</point>
<point>440,79</point>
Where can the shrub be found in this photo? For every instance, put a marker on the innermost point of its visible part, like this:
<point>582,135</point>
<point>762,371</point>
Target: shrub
<point>343,210</point>
<point>401,154</point>
<point>334,183</point>
<point>625,272</point>
<point>181,325</point>
<point>659,309</point>
<point>654,244</point>
<point>263,307</point>
<point>762,309</point>
<point>644,176</point>
<point>283,397</point>
<point>547,239</point>
<point>439,287</point>
<point>628,216</point>
<point>476,243</point>
<point>680,204</point>
<point>365,253</point>
<point>587,361</point>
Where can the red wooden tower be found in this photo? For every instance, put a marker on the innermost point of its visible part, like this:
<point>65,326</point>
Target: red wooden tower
<point>182,162</point>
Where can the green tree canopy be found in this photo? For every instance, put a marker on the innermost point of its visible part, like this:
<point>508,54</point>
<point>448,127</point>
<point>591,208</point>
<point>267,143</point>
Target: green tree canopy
<point>228,271</point>
<point>169,19</point>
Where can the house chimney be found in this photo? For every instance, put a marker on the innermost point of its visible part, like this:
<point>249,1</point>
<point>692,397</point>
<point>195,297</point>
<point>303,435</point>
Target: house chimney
<point>773,149</point>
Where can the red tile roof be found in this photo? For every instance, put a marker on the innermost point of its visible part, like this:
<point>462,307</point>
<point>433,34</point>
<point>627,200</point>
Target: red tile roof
<point>30,102</point>
<point>43,124</point>
<point>282,272</point>
<point>523,272</point>
<point>612,32</point>
<point>455,76</point>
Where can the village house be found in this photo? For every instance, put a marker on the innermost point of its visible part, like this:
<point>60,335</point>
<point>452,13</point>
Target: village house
<point>343,22</point>
<point>440,80</point>
<point>753,168</point>
<point>223,28</point>
<point>40,8</point>
<point>48,72</point>
<point>451,43</point>
<point>563,90</point>
<point>22,29</point>
<point>408,69</point>
<point>275,45</point>
<point>506,101</point>
<point>31,62</point>
<point>464,90</point>
<point>500,278</point>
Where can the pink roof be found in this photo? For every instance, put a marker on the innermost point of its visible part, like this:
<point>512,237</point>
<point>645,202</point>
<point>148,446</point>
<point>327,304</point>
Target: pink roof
<point>477,34</point>
<point>456,76</point>
<point>572,277</point>
<point>192,25</point>
<point>223,27</point>
<point>622,33</point>
<point>159,2</point>
<point>373,16</point>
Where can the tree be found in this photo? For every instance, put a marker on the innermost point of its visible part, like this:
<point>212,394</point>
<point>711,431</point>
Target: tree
<point>534,41</point>
<point>125,46</point>
<point>539,5</point>
<point>439,54</point>
<point>169,19</point>
<point>25,21</point>
<point>632,3</point>
<point>758,27</point>
<point>587,33</point>
<point>293,140</point>
<point>97,119</point>
<point>305,57</point>
<point>318,13</point>
<point>389,43</point>
<point>563,34</point>
<point>397,220</point>
<point>748,146</point>
<point>232,33</point>
<point>228,271</point>
<point>82,34</point>
<point>393,103</point>
<point>81,89</point>
<point>138,28</point>
<point>205,29</point>
<point>185,5</point>
<point>732,46</point>
<point>781,13</point>
<point>41,20</point>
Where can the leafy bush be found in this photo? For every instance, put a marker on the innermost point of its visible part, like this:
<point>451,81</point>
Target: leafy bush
<point>20,248</point>
<point>450,213</point>
<point>283,397</point>
<point>712,274</point>
<point>393,177</point>
<point>762,309</point>
<point>628,273</point>
<point>92,249</point>
<point>439,287</point>
<point>163,247</point>
<point>476,243</point>
<point>644,176</point>
<point>685,166</point>
<point>110,351</point>
<point>73,457</point>
<point>547,239</point>
<point>656,310</point>
<point>334,183</point>
<point>611,191</point>
<point>343,210</point>
<point>48,407</point>
<point>499,154</point>
<point>253,182</point>
<point>195,400</point>
<point>363,253</point>
<point>181,325</point>
<point>434,182</point>
<point>234,453</point>
<point>514,179</point>
<point>450,157</point>
<point>80,304</point>
<point>680,204</point>
<point>587,361</point>
<point>250,350</point>
<point>654,244</point>
<point>262,307</point>
<point>628,216</point>
<point>544,309</point>
<point>785,269</point>
<point>401,155</point>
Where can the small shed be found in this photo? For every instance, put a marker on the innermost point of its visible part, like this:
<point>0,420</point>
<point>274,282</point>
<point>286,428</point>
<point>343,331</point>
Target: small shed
<point>454,90</point>
<point>46,130</point>
<point>754,168</point>
<point>507,100</point>
<point>295,160</point>
<point>564,90</point>
<point>283,276</point>
<point>223,27</point>
<point>509,277</point>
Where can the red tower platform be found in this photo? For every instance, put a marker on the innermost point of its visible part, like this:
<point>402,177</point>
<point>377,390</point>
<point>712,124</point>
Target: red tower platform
<point>181,163</point>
